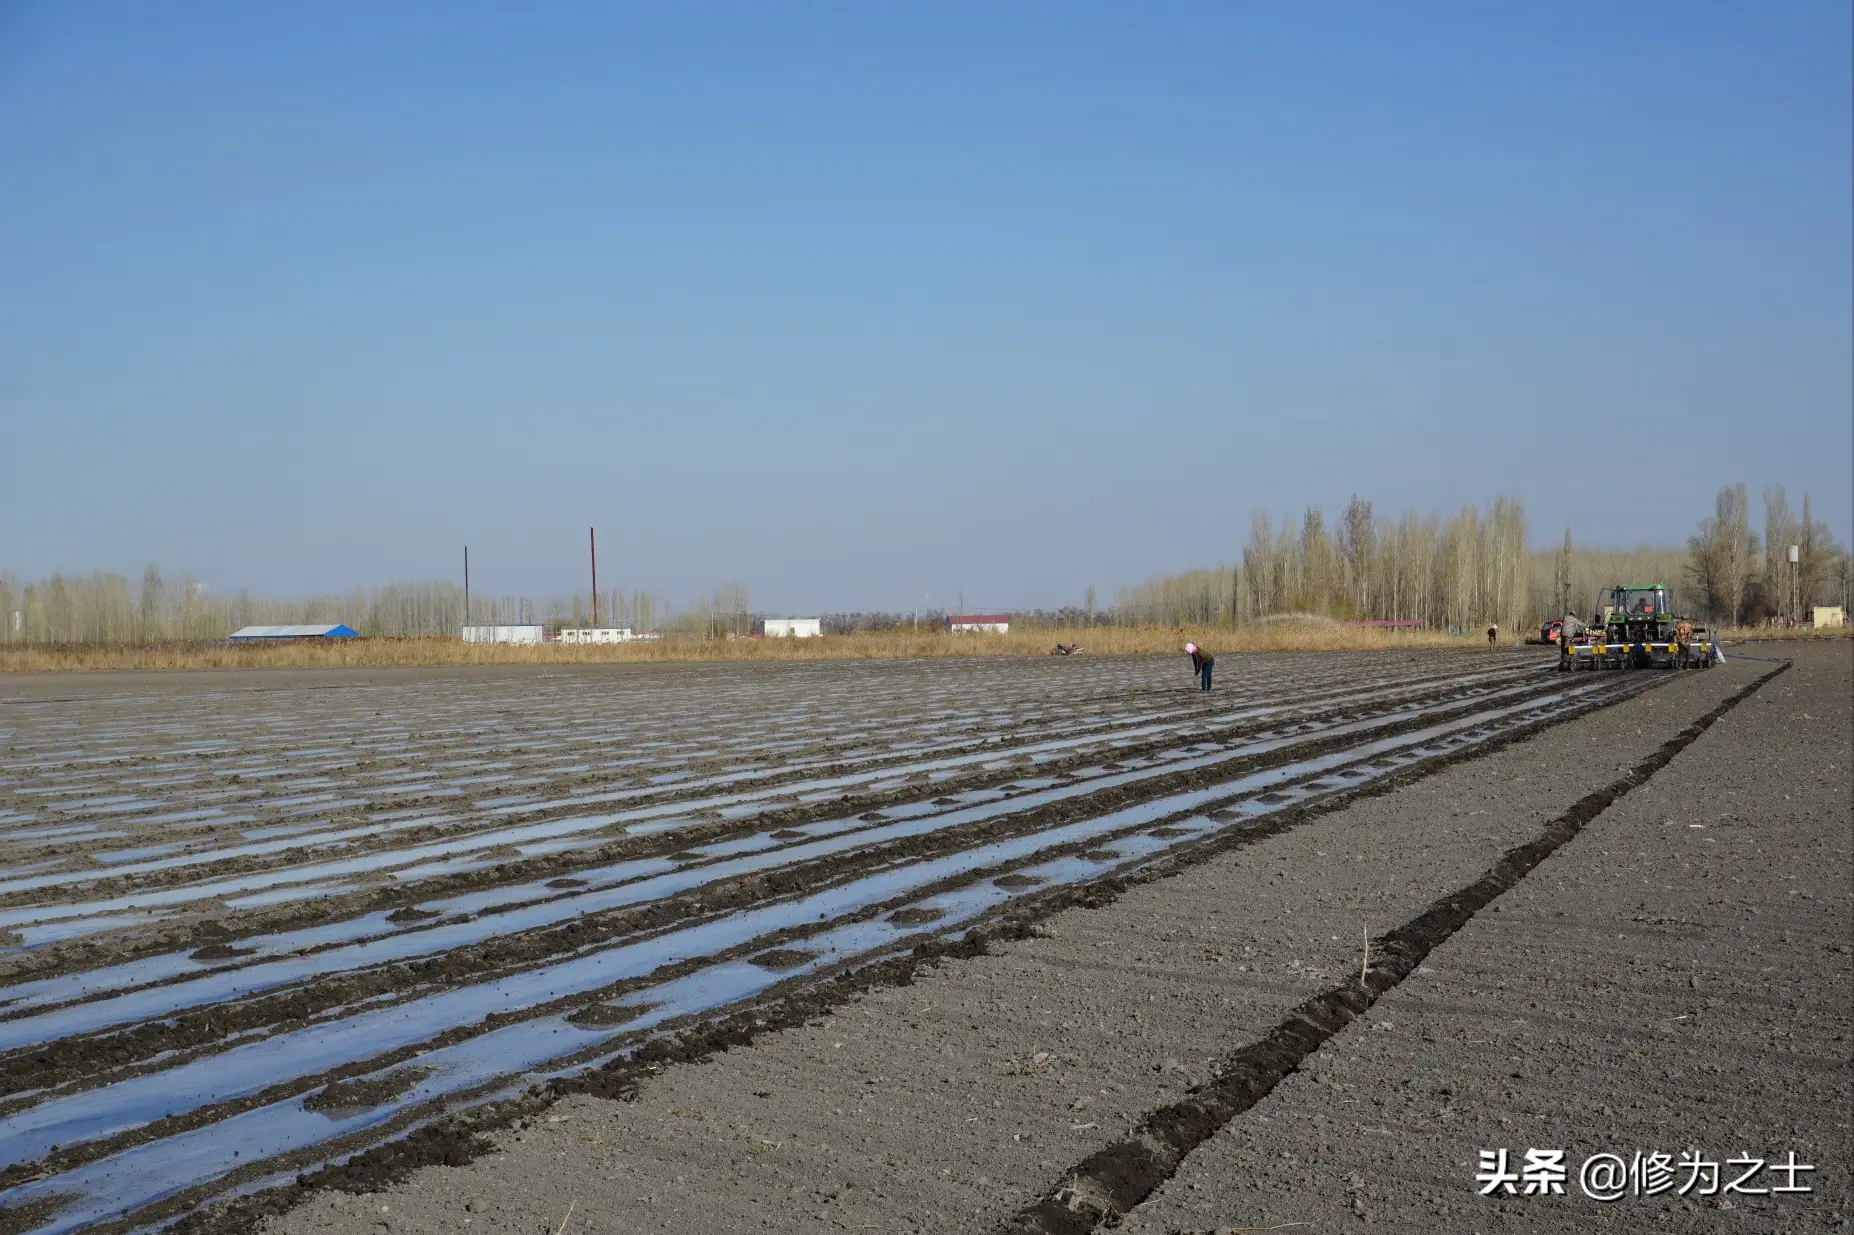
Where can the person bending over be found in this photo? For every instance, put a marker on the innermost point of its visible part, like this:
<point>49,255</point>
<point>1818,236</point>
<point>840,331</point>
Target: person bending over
<point>1201,662</point>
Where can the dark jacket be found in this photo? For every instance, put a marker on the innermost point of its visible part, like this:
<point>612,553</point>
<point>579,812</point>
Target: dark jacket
<point>1199,659</point>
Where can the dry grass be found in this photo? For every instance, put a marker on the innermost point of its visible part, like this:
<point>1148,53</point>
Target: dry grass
<point>1761,633</point>
<point>1299,636</point>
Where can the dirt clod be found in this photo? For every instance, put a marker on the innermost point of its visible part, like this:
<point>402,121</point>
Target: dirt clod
<point>221,952</point>
<point>365,1092</point>
<point>604,1015</point>
<point>780,959</point>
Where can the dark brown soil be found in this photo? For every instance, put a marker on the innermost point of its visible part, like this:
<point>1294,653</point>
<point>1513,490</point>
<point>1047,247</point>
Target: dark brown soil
<point>82,1061</point>
<point>1114,1180</point>
<point>902,1085</point>
<point>220,952</point>
<point>1678,979</point>
<point>74,1059</point>
<point>783,958</point>
<point>56,958</point>
<point>350,1095</point>
<point>602,1015</point>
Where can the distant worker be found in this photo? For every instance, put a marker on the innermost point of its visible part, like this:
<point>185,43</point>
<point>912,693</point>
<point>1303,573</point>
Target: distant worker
<point>1201,663</point>
<point>1493,633</point>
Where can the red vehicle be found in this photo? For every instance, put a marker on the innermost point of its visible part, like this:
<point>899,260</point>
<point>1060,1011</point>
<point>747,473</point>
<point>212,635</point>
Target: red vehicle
<point>1552,632</point>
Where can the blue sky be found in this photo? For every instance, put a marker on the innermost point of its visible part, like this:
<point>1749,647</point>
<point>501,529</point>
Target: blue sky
<point>856,302</point>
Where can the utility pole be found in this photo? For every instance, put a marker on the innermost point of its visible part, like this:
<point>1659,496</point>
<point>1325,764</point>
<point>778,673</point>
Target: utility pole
<point>592,541</point>
<point>466,620</point>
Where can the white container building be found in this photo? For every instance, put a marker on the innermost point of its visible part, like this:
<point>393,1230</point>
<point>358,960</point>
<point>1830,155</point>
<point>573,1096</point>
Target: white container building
<point>594,634</point>
<point>503,634</point>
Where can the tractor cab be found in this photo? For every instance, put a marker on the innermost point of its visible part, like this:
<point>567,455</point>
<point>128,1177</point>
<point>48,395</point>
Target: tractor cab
<point>1636,604</point>
<point>1638,613</point>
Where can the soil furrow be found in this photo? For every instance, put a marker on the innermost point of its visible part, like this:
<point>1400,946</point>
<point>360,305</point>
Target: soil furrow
<point>1054,898</point>
<point>1110,1182</point>
<point>96,1060</point>
<point>103,883</point>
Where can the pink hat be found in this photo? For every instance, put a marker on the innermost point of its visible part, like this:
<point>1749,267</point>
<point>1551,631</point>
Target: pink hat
<point>1190,647</point>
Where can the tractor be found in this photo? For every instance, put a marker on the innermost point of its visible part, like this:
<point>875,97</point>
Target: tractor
<point>1638,614</point>
<point>1637,629</point>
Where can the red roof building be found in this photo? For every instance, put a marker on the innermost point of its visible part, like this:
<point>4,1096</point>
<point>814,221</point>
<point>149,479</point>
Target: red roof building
<point>985,623</point>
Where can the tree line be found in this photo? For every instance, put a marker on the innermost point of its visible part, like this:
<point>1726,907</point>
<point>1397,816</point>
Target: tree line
<point>1476,567</point>
<point>1743,578</point>
<point>1456,573</point>
<point>107,608</point>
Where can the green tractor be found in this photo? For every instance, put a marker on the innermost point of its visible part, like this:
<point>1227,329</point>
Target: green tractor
<point>1638,629</point>
<point>1638,614</point>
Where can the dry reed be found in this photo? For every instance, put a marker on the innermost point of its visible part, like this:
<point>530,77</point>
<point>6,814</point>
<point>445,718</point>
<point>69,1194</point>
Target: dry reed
<point>1760,634</point>
<point>1306,636</point>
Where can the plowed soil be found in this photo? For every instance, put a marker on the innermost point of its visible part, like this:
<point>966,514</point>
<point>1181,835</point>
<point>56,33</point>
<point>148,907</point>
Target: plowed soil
<point>945,929</point>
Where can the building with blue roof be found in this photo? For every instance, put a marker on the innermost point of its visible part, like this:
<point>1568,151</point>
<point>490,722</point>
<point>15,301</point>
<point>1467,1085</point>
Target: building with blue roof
<point>259,634</point>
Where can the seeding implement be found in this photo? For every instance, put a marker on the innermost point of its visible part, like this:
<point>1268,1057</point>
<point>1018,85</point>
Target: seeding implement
<point>1638,629</point>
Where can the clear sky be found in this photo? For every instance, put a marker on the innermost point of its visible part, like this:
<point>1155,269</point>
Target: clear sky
<point>852,302</point>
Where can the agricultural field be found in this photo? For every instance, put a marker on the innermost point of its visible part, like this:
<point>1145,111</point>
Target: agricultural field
<point>260,926</point>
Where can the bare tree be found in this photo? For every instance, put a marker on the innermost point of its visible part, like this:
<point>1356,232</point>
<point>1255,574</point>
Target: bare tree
<point>1738,548</point>
<point>1260,568</point>
<point>1819,558</point>
<point>1469,570</point>
<point>1780,532</point>
<point>1722,555</point>
<point>1360,551</point>
<point>1561,580</point>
